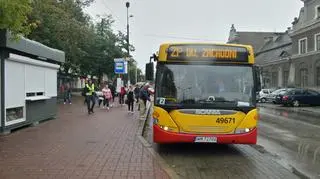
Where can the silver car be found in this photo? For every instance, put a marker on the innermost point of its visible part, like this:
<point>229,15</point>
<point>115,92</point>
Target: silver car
<point>272,96</point>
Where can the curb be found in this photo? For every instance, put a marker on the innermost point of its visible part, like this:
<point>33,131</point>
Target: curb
<point>163,164</point>
<point>292,169</point>
<point>299,173</point>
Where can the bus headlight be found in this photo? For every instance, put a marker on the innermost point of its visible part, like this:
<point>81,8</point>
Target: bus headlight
<point>166,128</point>
<point>163,120</point>
<point>241,131</point>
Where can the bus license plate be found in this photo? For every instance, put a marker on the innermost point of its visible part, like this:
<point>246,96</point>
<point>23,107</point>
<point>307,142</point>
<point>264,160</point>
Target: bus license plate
<point>206,140</point>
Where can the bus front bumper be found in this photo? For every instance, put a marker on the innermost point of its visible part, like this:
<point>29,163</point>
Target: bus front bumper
<point>161,136</point>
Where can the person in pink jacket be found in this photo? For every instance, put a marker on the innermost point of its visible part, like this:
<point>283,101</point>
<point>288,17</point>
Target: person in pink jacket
<point>107,96</point>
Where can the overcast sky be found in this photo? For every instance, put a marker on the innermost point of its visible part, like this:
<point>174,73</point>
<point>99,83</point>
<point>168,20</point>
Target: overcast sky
<point>158,21</point>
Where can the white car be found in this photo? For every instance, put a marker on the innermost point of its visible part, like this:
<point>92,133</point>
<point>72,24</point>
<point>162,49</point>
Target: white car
<point>263,94</point>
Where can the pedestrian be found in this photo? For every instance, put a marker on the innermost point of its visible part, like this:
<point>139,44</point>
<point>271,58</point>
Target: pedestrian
<point>62,89</point>
<point>121,95</point>
<point>143,98</point>
<point>90,96</point>
<point>136,94</point>
<point>130,99</point>
<point>84,92</point>
<point>100,95</point>
<point>67,94</point>
<point>113,92</point>
<point>107,96</point>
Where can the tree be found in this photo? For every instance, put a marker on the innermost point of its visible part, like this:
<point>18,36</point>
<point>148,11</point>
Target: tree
<point>106,47</point>
<point>139,75</point>
<point>64,26</point>
<point>90,47</point>
<point>14,16</point>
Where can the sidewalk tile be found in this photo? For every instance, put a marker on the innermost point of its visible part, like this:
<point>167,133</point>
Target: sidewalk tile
<point>78,145</point>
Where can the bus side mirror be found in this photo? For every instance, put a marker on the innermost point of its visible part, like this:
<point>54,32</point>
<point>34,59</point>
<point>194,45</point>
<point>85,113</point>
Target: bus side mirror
<point>149,71</point>
<point>257,76</point>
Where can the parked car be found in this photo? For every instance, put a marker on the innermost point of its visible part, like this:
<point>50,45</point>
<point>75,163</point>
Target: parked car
<point>297,96</point>
<point>263,94</point>
<point>272,96</point>
<point>278,98</point>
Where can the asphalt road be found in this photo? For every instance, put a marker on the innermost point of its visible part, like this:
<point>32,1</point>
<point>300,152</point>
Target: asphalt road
<point>293,136</point>
<point>288,147</point>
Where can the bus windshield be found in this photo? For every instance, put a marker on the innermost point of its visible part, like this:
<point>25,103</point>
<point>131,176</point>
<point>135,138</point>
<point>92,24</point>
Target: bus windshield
<point>193,85</point>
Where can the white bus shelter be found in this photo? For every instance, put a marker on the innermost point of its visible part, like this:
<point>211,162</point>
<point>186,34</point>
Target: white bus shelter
<point>28,82</point>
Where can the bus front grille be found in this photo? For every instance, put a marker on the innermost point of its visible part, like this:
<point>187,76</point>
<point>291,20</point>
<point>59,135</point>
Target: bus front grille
<point>207,129</point>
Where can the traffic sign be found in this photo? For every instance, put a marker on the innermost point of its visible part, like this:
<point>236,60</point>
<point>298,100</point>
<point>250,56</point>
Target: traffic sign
<point>119,67</point>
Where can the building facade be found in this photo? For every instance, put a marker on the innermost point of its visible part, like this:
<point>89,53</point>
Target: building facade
<point>272,51</point>
<point>273,60</point>
<point>255,39</point>
<point>305,35</point>
<point>292,58</point>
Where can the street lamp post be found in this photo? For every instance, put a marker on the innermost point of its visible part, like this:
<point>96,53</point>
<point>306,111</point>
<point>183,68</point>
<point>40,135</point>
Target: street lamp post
<point>128,43</point>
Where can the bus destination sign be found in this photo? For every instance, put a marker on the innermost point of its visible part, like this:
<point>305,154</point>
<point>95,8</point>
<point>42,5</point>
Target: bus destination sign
<point>207,53</point>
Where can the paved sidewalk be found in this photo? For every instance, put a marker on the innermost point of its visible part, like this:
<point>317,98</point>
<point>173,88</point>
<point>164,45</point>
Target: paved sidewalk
<point>75,145</point>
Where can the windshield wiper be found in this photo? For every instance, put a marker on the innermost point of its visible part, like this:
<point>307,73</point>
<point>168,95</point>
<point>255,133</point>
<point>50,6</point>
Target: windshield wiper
<point>216,99</point>
<point>188,101</point>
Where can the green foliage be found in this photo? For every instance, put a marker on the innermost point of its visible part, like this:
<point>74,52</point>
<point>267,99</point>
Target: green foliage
<point>14,16</point>
<point>90,47</point>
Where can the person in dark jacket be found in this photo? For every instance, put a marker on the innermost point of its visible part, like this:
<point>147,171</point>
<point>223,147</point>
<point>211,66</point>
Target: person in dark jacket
<point>84,92</point>
<point>130,98</point>
<point>136,93</point>
<point>67,94</point>
<point>113,91</point>
<point>143,98</point>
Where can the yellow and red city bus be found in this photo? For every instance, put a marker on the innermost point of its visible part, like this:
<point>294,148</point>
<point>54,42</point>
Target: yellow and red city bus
<point>205,93</point>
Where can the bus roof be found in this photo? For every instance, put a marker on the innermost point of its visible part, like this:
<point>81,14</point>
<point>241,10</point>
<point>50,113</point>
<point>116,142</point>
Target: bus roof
<point>163,51</point>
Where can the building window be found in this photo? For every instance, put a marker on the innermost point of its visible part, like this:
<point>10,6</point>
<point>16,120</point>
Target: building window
<point>285,78</point>
<point>317,12</point>
<point>274,79</point>
<point>303,46</point>
<point>318,76</point>
<point>317,42</point>
<point>303,77</point>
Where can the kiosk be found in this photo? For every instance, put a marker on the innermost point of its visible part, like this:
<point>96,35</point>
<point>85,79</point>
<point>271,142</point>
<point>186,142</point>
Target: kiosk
<point>28,84</point>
